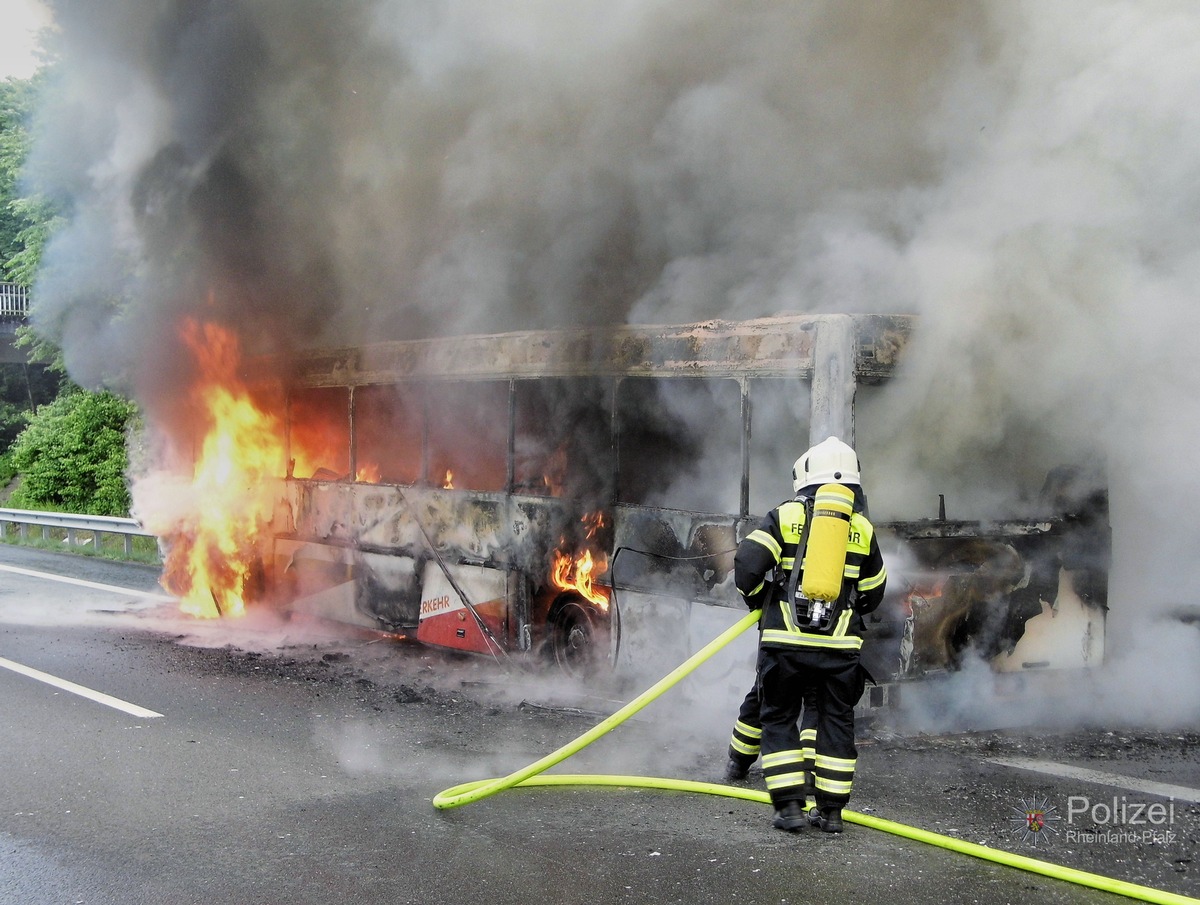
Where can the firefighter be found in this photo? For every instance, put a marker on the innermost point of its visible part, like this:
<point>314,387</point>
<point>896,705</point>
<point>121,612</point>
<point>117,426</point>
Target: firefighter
<point>811,629</point>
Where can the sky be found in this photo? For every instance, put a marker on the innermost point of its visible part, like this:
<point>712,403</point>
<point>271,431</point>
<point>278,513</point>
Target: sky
<point>20,21</point>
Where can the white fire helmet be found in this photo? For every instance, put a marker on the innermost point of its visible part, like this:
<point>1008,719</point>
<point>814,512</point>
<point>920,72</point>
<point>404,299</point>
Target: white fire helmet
<point>830,461</point>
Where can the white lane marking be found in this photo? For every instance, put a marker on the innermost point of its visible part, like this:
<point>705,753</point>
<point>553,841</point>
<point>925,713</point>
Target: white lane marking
<point>98,696</point>
<point>88,584</point>
<point>1165,790</point>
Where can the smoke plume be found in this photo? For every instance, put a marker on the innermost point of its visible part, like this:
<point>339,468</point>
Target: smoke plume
<point>1019,174</point>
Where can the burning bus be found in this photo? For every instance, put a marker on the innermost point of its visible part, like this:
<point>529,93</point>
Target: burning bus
<point>560,494</point>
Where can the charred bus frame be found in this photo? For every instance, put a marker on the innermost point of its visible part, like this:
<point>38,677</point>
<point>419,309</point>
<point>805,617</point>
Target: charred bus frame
<point>469,566</point>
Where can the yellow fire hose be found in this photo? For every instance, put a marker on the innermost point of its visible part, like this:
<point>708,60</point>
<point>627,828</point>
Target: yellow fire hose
<point>529,777</point>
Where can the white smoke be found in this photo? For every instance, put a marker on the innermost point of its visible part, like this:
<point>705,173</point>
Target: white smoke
<point>1018,174</point>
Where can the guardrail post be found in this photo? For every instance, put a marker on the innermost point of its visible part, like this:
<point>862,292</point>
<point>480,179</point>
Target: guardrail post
<point>96,526</point>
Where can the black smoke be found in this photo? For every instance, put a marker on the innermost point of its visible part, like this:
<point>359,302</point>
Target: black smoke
<point>1021,176</point>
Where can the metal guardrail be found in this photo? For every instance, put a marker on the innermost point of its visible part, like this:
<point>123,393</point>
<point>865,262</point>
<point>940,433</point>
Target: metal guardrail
<point>94,525</point>
<point>14,301</point>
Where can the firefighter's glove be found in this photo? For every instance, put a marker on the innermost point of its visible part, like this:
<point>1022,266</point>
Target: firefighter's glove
<point>756,601</point>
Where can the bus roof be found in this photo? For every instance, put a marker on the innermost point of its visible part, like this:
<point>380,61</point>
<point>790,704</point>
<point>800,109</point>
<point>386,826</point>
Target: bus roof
<point>783,345</point>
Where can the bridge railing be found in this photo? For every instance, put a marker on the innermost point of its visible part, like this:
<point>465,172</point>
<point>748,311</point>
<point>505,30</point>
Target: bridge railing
<point>93,526</point>
<point>14,301</point>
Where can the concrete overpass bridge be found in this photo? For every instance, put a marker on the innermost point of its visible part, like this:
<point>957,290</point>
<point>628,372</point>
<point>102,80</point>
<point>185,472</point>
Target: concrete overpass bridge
<point>14,311</point>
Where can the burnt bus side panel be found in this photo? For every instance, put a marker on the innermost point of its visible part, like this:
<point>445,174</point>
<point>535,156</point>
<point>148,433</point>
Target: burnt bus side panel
<point>1020,595</point>
<point>688,555</point>
<point>1009,593</point>
<point>380,540</point>
<point>390,536</point>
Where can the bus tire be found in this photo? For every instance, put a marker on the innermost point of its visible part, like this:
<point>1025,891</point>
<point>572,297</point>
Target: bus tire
<point>575,637</point>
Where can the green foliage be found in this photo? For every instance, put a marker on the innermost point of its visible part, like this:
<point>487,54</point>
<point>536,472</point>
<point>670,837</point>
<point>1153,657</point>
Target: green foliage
<point>72,455</point>
<point>27,221</point>
<point>40,222</point>
<point>8,470</point>
<point>18,215</point>
<point>13,419</point>
<point>23,387</point>
<point>28,218</point>
<point>41,349</point>
<point>70,452</point>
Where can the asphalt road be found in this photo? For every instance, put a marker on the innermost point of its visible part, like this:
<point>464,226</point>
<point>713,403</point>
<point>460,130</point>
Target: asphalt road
<point>295,762</point>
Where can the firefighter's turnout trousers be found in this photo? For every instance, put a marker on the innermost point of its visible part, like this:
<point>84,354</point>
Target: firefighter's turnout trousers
<point>836,681</point>
<point>746,742</point>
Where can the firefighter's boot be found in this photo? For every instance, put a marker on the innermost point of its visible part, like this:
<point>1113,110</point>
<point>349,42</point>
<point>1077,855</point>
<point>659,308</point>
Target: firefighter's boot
<point>828,820</point>
<point>790,816</point>
<point>737,768</point>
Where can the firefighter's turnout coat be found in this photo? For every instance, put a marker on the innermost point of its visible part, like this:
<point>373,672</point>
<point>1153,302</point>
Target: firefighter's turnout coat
<point>796,660</point>
<point>770,551</point>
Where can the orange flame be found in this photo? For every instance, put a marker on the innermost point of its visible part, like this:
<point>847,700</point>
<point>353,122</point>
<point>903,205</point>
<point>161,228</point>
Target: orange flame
<point>213,548</point>
<point>448,482</point>
<point>594,522</point>
<point>579,572</point>
<point>924,594</point>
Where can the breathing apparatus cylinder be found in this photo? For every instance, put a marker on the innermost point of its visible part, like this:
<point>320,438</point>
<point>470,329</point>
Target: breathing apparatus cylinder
<point>828,534</point>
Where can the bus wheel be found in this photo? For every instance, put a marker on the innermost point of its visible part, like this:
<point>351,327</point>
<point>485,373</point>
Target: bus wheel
<point>574,636</point>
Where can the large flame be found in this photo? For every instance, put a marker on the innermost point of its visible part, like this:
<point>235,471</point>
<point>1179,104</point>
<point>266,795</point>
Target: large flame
<point>578,571</point>
<point>213,547</point>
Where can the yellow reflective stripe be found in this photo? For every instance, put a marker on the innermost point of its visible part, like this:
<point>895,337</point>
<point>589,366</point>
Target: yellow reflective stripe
<point>748,731</point>
<point>808,735</point>
<point>874,581</point>
<point>851,571</point>
<point>787,563</point>
<point>785,779</point>
<point>834,787</point>
<point>782,758</point>
<point>792,636</point>
<point>803,639</point>
<point>741,747</point>
<point>841,764</point>
<point>786,612</point>
<point>752,593</point>
<point>762,537</point>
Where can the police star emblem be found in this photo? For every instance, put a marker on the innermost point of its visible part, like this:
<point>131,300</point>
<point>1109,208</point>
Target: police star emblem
<point>1035,821</point>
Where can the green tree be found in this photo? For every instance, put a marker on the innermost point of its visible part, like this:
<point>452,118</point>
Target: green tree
<point>21,218</point>
<point>72,455</point>
<point>71,451</point>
